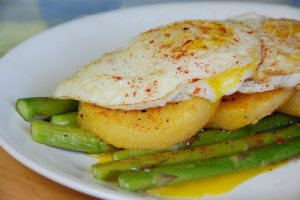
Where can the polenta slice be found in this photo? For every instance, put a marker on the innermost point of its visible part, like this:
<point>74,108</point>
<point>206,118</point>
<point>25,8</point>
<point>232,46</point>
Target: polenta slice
<point>154,128</point>
<point>292,106</point>
<point>239,110</point>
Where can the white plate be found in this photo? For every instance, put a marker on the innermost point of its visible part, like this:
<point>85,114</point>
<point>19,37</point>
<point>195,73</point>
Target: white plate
<point>36,66</point>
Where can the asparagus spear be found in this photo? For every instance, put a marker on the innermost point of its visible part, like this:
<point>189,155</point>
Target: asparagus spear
<point>111,169</point>
<point>174,174</point>
<point>127,154</point>
<point>210,136</point>
<point>268,123</point>
<point>45,106</point>
<point>65,119</point>
<point>67,137</point>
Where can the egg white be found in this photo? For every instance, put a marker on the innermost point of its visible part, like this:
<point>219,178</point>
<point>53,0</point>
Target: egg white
<point>208,59</point>
<point>280,66</point>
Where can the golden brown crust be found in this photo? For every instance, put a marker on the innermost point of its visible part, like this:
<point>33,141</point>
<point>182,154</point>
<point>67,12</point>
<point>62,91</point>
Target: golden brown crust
<point>238,110</point>
<point>154,128</point>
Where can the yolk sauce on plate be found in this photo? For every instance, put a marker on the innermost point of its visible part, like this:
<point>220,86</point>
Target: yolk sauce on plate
<point>203,187</point>
<point>211,186</point>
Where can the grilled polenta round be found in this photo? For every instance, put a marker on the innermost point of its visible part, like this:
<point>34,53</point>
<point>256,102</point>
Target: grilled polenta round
<point>238,110</point>
<point>292,106</point>
<point>154,128</point>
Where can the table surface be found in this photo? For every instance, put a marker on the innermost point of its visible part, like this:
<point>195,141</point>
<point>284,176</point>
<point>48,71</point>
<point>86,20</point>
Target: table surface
<point>19,20</point>
<point>17,182</point>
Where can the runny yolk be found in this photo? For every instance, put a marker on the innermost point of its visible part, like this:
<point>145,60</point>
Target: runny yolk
<point>102,158</point>
<point>211,186</point>
<point>282,28</point>
<point>209,35</point>
<point>203,187</point>
<point>285,29</point>
<point>214,35</point>
<point>224,82</point>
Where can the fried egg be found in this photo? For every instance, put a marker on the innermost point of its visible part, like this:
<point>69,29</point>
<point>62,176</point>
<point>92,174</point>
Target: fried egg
<point>170,63</point>
<point>280,66</point>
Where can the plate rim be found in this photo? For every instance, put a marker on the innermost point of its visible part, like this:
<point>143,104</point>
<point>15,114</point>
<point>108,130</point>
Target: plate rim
<point>52,175</point>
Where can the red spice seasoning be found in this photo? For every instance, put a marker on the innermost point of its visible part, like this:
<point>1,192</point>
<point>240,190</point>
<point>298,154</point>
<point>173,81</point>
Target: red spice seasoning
<point>186,42</point>
<point>182,69</point>
<point>223,29</point>
<point>202,148</point>
<point>117,78</point>
<point>196,90</point>
<point>148,90</point>
<point>195,80</point>
<point>279,140</point>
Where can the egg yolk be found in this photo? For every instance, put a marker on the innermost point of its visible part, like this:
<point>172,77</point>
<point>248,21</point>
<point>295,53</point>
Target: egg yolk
<point>224,82</point>
<point>211,186</point>
<point>282,28</point>
<point>102,158</point>
<point>285,29</point>
<point>212,34</point>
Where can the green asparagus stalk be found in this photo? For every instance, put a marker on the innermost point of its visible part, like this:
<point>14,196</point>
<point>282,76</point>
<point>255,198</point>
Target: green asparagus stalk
<point>65,119</point>
<point>210,136</point>
<point>128,154</point>
<point>44,106</point>
<point>174,174</point>
<point>268,123</point>
<point>110,170</point>
<point>67,137</point>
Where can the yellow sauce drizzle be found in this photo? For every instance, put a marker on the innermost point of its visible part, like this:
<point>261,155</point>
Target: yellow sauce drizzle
<point>203,187</point>
<point>102,158</point>
<point>211,186</point>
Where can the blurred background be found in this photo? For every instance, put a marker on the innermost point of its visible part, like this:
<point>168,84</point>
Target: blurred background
<point>21,19</point>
